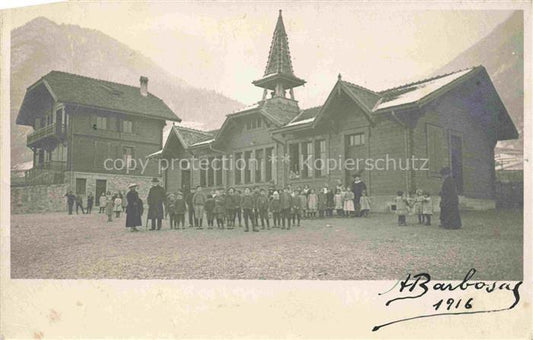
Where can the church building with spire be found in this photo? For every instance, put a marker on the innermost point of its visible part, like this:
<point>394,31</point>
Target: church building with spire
<point>397,139</point>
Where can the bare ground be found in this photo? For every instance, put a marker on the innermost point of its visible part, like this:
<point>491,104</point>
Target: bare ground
<point>58,246</point>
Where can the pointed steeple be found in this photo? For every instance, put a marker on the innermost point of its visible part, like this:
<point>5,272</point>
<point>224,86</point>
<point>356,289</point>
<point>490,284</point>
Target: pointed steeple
<point>279,75</point>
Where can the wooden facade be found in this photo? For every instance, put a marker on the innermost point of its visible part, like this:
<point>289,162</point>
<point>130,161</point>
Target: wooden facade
<point>451,120</point>
<point>84,140</point>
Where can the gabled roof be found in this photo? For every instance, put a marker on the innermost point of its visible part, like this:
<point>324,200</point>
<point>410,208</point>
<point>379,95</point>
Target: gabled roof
<point>187,137</point>
<point>366,97</point>
<point>412,94</point>
<point>279,114</point>
<point>305,116</point>
<point>76,89</point>
<point>193,137</point>
<point>276,113</point>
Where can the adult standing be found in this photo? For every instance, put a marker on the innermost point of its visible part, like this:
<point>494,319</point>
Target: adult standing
<point>358,186</point>
<point>90,202</point>
<point>102,203</point>
<point>155,199</point>
<point>79,204</point>
<point>190,208</point>
<point>449,201</point>
<point>133,209</point>
<point>198,202</point>
<point>70,201</point>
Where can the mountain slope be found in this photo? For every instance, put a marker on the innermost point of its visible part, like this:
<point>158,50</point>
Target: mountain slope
<point>502,54</point>
<point>42,45</point>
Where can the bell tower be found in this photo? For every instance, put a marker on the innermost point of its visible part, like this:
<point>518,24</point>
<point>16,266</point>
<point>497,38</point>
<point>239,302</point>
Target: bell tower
<point>279,75</point>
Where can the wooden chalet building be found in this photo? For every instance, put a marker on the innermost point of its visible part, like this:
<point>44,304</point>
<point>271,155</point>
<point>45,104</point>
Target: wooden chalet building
<point>80,122</point>
<point>452,120</point>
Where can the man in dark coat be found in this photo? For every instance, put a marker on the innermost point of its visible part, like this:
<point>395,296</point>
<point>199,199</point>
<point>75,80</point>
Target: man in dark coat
<point>190,209</point>
<point>449,201</point>
<point>155,199</point>
<point>79,204</point>
<point>358,186</point>
<point>133,209</point>
<point>90,202</point>
<point>70,201</point>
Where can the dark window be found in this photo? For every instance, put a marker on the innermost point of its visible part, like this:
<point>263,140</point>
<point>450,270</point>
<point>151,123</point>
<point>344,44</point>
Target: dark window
<point>127,151</point>
<point>81,184</point>
<point>210,174</point>
<point>203,171</point>
<point>259,161</point>
<point>248,169</point>
<point>306,150</point>
<point>238,167</point>
<point>127,126</point>
<point>435,152</point>
<point>320,157</point>
<point>101,123</point>
<point>269,160</point>
<point>218,170</point>
<point>294,159</point>
<point>356,139</point>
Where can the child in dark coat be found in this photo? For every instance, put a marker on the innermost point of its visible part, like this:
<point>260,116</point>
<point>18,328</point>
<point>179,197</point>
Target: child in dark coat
<point>275,208</point>
<point>220,209</point>
<point>171,205</point>
<point>296,208</point>
<point>209,208</point>
<point>262,203</point>
<point>180,207</point>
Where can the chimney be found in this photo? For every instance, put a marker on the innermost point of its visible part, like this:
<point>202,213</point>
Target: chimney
<point>144,85</point>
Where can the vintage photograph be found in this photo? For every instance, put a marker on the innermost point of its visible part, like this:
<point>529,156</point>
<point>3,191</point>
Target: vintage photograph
<point>265,141</point>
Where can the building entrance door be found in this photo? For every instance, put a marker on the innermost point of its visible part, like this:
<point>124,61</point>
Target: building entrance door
<point>101,186</point>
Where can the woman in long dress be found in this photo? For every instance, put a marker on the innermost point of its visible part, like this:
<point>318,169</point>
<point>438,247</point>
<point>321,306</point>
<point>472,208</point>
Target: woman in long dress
<point>133,208</point>
<point>449,202</point>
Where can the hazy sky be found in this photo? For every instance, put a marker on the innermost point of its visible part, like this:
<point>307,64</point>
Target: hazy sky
<point>224,46</point>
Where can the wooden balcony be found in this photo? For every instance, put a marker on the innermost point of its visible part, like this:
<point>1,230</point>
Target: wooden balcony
<point>51,172</point>
<point>47,134</point>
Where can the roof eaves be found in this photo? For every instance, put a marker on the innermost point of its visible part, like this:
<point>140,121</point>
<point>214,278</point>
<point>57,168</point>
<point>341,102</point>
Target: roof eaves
<point>433,95</point>
<point>139,114</point>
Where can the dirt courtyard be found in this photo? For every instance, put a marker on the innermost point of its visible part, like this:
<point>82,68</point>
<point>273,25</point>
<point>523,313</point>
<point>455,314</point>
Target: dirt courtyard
<point>58,246</point>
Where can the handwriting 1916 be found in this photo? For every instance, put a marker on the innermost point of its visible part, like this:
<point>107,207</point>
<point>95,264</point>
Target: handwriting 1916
<point>416,286</point>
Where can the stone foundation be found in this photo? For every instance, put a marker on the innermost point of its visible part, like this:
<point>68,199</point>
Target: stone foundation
<point>115,183</point>
<point>51,198</point>
<point>38,198</point>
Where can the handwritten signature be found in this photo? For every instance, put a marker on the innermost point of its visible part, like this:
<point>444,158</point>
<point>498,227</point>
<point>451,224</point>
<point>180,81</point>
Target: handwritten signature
<point>420,284</point>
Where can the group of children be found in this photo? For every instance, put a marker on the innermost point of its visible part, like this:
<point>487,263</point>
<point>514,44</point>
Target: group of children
<point>419,204</point>
<point>254,206</point>
<point>112,204</point>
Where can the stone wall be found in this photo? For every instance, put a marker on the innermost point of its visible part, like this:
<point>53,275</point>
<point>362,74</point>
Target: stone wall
<point>38,198</point>
<point>115,183</point>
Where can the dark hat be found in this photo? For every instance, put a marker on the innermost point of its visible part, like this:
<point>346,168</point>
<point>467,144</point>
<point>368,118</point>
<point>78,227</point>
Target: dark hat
<point>155,180</point>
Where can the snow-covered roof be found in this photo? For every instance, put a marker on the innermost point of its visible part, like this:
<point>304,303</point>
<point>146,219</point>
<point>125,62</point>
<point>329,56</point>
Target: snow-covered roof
<point>155,154</point>
<point>414,92</point>
<point>303,121</point>
<point>203,142</point>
